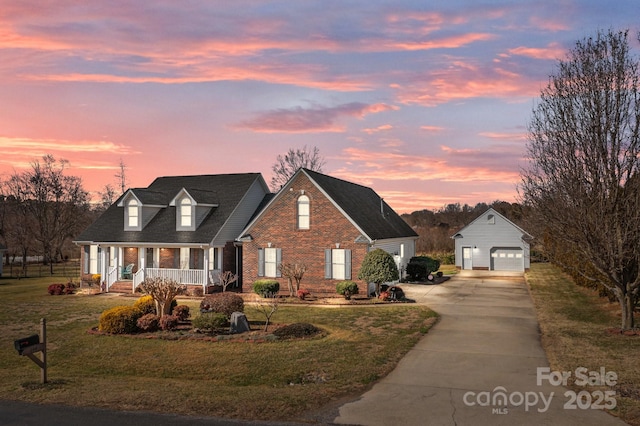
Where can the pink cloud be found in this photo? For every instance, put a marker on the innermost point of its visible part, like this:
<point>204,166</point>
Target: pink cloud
<point>463,80</point>
<point>432,128</point>
<point>382,128</point>
<point>306,120</point>
<point>553,51</point>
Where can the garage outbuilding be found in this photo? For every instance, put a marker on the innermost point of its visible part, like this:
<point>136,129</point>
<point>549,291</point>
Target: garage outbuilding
<point>492,242</point>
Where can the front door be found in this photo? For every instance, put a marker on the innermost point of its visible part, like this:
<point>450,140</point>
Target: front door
<point>467,257</point>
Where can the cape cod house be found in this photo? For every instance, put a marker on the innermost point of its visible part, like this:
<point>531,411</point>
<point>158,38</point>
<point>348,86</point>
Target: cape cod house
<point>328,225</point>
<point>492,242</point>
<point>180,227</point>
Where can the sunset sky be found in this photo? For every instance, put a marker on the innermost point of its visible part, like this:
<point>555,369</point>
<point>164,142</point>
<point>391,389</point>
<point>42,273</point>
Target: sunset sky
<point>427,102</point>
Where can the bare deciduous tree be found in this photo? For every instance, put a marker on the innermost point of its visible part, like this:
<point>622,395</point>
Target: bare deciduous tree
<point>226,278</point>
<point>267,306</point>
<point>582,180</point>
<point>56,202</point>
<point>122,176</point>
<point>294,272</point>
<point>295,159</point>
<point>163,292</point>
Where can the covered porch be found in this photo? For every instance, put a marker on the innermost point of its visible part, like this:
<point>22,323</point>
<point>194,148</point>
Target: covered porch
<point>192,266</point>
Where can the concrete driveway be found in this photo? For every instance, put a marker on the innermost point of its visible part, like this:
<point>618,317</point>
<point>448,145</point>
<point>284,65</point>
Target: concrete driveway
<point>485,349</point>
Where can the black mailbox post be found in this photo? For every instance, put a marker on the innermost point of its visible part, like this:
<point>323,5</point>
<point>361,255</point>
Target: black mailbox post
<point>32,344</point>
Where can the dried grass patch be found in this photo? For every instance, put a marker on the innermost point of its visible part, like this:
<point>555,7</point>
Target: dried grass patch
<point>575,325</point>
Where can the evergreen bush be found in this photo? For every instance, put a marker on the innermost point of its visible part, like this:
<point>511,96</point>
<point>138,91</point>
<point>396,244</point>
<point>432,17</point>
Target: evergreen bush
<point>347,288</point>
<point>266,287</point>
<point>209,321</point>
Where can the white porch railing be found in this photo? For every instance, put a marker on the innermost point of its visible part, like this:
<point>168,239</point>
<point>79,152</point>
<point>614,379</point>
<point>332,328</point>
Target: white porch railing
<point>112,276</point>
<point>181,276</point>
<point>138,277</point>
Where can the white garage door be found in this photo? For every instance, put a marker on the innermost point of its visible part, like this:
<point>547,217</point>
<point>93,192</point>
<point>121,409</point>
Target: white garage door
<point>507,259</point>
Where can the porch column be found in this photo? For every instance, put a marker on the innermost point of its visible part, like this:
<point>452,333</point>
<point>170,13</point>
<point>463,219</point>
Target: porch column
<point>205,266</point>
<point>104,264</point>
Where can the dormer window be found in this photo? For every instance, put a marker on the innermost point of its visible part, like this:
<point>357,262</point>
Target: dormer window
<point>133,214</point>
<point>303,212</point>
<point>185,213</point>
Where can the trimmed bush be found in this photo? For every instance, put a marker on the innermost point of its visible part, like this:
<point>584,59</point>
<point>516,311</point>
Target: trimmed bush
<point>120,320</point>
<point>347,289</point>
<point>146,305</point>
<point>148,322</point>
<point>420,267</point>
<point>222,303</point>
<point>210,321</point>
<point>169,322</point>
<point>266,288</point>
<point>182,312</point>
<point>56,289</point>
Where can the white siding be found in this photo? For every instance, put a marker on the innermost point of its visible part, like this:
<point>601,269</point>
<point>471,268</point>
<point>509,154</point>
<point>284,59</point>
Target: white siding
<point>487,233</point>
<point>402,249</point>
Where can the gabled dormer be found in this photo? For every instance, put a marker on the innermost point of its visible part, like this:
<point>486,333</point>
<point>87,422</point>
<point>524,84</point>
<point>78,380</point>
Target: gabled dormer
<point>192,206</point>
<point>139,208</point>
<point>132,212</point>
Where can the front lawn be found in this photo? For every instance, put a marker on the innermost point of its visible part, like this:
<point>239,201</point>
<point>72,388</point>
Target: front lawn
<point>271,381</point>
<point>574,323</point>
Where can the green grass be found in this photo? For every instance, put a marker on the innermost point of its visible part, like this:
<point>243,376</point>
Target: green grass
<point>270,380</point>
<point>574,322</point>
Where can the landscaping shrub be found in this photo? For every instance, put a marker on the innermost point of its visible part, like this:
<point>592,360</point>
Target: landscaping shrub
<point>182,312</point>
<point>56,289</point>
<point>119,320</point>
<point>266,287</point>
<point>419,267</point>
<point>347,288</point>
<point>169,322</point>
<point>209,321</point>
<point>297,330</point>
<point>148,322</point>
<point>222,303</point>
<point>146,305</point>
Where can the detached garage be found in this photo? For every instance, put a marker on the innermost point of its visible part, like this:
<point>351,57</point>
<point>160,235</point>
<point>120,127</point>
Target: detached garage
<point>492,242</point>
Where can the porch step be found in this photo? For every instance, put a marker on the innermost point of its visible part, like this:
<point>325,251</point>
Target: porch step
<point>121,287</point>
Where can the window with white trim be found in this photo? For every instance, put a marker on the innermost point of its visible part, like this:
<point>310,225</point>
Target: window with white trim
<point>337,264</point>
<point>185,213</point>
<point>303,212</point>
<point>269,258</point>
<point>133,219</point>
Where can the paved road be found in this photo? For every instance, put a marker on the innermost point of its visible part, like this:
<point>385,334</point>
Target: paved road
<point>487,343</point>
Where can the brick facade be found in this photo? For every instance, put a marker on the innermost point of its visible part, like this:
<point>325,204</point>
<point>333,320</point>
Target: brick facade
<point>328,226</point>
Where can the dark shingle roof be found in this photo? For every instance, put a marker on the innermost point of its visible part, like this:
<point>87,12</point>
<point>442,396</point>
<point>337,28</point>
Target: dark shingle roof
<point>366,208</point>
<point>226,191</point>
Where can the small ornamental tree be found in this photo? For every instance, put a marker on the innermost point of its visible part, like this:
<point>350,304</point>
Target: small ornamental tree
<point>226,278</point>
<point>163,292</point>
<point>378,267</point>
<point>293,272</point>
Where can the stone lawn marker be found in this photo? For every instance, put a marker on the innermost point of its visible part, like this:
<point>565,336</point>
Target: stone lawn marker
<point>239,323</point>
